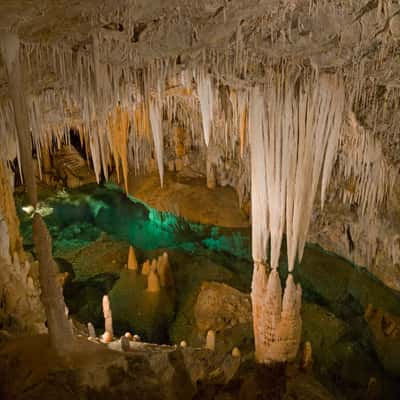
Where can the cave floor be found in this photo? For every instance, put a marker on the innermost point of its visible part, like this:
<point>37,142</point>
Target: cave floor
<point>93,226</point>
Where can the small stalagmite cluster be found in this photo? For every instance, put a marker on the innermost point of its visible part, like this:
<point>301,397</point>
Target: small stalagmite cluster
<point>158,271</point>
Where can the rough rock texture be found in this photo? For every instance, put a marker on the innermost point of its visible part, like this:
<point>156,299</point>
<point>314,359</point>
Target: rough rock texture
<point>374,244</point>
<point>189,198</point>
<point>70,166</point>
<point>220,307</point>
<point>336,353</point>
<point>20,306</point>
<point>385,329</point>
<point>148,372</point>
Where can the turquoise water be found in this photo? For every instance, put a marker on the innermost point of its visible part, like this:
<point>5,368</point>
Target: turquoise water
<point>76,218</point>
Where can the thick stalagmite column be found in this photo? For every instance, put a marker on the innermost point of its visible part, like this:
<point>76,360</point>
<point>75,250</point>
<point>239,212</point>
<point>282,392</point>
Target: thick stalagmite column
<point>108,325</point>
<point>60,329</point>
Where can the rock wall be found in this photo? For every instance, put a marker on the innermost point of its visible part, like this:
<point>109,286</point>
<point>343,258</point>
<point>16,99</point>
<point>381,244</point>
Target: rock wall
<point>20,307</point>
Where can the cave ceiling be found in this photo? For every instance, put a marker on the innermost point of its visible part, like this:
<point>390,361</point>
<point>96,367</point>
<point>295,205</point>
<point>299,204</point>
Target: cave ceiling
<point>359,39</point>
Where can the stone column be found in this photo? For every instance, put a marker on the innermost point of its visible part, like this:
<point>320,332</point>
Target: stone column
<point>60,329</point>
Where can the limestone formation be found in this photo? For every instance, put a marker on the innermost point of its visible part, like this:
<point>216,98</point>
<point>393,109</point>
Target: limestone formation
<point>146,267</point>
<point>107,337</point>
<point>210,340</point>
<point>291,103</point>
<point>108,324</point>
<point>211,180</point>
<point>153,265</point>
<point>132,262</point>
<point>125,346</point>
<point>19,289</point>
<point>276,321</point>
<point>164,271</point>
<point>306,358</point>
<point>153,282</point>
<point>128,335</point>
<point>235,352</point>
<point>91,330</point>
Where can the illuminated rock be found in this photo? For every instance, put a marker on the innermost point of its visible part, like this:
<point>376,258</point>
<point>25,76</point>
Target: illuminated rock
<point>164,271</point>
<point>91,330</point>
<point>210,340</point>
<point>146,267</point>
<point>108,325</point>
<point>235,352</point>
<point>153,282</point>
<point>128,335</point>
<point>107,337</point>
<point>132,262</point>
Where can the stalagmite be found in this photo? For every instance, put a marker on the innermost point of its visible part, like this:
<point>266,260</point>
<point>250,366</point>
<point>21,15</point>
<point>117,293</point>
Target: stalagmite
<point>125,346</point>
<point>91,330</point>
<point>153,282</point>
<point>107,337</point>
<point>153,265</point>
<point>236,352</point>
<point>60,329</point>
<point>136,338</point>
<point>108,324</point>
<point>128,335</point>
<point>307,358</point>
<point>146,267</point>
<point>132,262</point>
<point>164,271</point>
<point>211,180</point>
<point>210,340</point>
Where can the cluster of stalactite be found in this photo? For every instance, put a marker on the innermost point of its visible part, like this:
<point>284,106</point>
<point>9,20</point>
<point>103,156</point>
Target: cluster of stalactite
<point>294,125</point>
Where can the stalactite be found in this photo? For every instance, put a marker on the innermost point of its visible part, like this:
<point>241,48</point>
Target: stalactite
<point>10,47</point>
<point>259,216</point>
<point>206,98</point>
<point>119,129</point>
<point>369,177</point>
<point>158,136</point>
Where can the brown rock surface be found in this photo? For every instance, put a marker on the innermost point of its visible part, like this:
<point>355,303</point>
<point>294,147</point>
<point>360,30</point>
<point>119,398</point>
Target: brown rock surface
<point>191,200</point>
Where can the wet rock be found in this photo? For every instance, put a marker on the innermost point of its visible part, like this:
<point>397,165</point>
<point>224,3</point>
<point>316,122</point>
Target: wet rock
<point>226,311</point>
<point>220,307</point>
<point>72,167</point>
<point>385,330</point>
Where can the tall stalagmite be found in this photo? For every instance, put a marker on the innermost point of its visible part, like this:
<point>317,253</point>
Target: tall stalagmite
<point>60,328</point>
